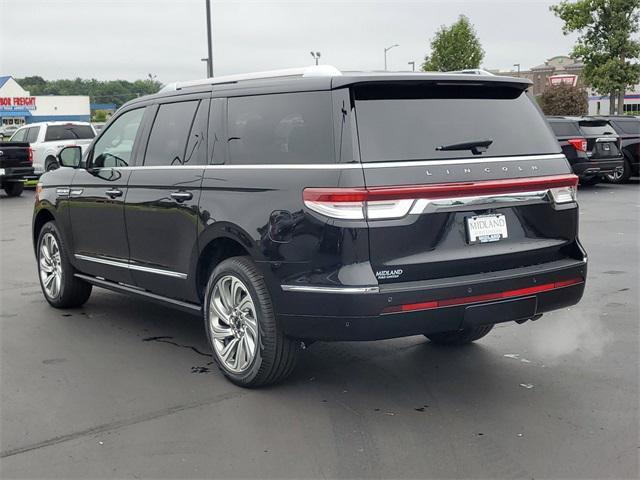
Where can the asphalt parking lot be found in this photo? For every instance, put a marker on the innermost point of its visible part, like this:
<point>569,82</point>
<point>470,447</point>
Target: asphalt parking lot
<point>123,388</point>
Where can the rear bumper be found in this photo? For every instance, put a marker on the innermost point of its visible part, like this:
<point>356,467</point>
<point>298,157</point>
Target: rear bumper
<point>597,167</point>
<point>15,173</point>
<point>468,300</point>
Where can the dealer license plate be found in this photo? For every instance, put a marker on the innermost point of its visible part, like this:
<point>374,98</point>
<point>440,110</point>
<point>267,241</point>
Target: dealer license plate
<point>486,228</point>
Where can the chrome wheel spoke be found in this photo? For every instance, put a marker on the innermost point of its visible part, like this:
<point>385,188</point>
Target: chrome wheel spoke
<point>233,326</point>
<point>50,266</point>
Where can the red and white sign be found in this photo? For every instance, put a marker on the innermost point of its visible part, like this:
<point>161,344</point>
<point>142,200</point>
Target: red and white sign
<point>17,103</point>
<point>563,80</point>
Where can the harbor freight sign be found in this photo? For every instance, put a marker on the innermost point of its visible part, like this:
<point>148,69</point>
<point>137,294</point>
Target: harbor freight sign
<point>17,103</point>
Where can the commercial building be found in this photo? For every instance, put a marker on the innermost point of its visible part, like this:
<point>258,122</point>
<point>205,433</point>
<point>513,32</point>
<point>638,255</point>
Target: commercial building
<point>18,106</point>
<point>563,69</point>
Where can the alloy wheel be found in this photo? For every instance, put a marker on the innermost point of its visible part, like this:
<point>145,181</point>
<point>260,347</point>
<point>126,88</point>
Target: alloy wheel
<point>50,265</point>
<point>233,324</point>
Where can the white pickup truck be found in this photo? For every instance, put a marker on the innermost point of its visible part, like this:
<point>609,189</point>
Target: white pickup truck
<point>47,138</point>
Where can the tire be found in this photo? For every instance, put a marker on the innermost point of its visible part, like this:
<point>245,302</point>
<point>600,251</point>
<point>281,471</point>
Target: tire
<point>51,164</point>
<point>622,176</point>
<point>591,181</point>
<point>460,337</point>
<point>70,291</point>
<point>252,321</point>
<point>14,189</point>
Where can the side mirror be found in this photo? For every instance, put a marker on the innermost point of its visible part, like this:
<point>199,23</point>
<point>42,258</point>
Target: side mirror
<point>70,156</point>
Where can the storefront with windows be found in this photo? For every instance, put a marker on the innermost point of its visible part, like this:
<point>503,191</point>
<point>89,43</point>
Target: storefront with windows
<point>17,106</point>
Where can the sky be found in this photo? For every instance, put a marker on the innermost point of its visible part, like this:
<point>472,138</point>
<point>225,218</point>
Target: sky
<point>129,39</point>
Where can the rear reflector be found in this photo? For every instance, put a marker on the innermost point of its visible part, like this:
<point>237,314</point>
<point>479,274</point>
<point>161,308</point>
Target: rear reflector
<point>451,302</point>
<point>30,155</point>
<point>396,202</point>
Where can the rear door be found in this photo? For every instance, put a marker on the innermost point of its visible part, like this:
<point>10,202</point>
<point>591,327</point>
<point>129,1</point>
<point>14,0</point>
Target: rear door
<point>418,139</point>
<point>161,207</point>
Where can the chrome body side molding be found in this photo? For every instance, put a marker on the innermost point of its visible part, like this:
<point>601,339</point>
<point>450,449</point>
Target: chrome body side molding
<point>130,266</point>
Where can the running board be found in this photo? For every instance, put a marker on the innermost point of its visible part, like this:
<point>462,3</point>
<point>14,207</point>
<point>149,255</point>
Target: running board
<point>120,288</point>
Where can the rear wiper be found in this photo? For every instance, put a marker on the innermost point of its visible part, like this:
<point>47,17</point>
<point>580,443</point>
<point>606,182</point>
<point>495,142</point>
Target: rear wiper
<point>477,147</point>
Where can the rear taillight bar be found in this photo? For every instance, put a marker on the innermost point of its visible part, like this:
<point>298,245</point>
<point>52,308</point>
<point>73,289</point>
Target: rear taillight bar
<point>30,154</point>
<point>396,202</point>
<point>454,302</point>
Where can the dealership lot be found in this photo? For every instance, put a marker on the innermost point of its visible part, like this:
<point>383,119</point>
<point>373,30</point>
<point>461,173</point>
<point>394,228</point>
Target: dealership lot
<point>125,388</point>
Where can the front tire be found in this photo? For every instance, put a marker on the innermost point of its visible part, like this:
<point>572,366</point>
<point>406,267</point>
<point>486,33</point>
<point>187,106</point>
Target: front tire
<point>59,285</point>
<point>14,189</point>
<point>247,342</point>
<point>460,337</point>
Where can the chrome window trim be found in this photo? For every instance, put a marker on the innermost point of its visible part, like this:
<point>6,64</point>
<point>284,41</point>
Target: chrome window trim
<point>355,165</point>
<point>140,268</point>
<point>338,290</point>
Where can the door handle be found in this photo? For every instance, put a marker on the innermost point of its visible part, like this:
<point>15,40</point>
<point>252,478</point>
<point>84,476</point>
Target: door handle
<point>181,196</point>
<point>113,193</point>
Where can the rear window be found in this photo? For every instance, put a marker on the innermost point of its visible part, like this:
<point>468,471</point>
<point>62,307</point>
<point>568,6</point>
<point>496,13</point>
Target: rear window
<point>408,122</point>
<point>290,128</point>
<point>596,128</point>
<point>630,127</point>
<point>68,132</point>
<point>565,129</point>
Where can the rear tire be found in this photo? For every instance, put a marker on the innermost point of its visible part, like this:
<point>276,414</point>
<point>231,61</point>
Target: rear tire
<point>460,337</point>
<point>246,340</point>
<point>59,285</point>
<point>51,164</point>
<point>621,176</point>
<point>14,189</point>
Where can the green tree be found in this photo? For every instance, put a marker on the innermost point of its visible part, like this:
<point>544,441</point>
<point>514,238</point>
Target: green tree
<point>110,91</point>
<point>454,48</point>
<point>564,100</point>
<point>607,45</point>
<point>100,116</point>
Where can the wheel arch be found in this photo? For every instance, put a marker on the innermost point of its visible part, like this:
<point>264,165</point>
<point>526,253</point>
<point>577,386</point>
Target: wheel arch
<point>43,216</point>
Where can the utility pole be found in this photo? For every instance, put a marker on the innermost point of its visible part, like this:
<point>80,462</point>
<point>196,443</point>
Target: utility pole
<point>209,42</point>
<point>385,54</point>
<point>413,66</point>
<point>517,65</point>
<point>316,56</point>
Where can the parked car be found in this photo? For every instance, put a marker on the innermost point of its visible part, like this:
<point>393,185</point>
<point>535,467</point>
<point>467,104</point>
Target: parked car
<point>6,131</point>
<point>263,204</point>
<point>15,165</point>
<point>47,138</point>
<point>591,145</point>
<point>628,128</point>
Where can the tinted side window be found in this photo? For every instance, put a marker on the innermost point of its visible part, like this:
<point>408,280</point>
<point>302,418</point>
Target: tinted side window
<point>294,128</point>
<point>168,139</point>
<point>196,153</point>
<point>565,129</point>
<point>19,136</point>
<point>68,132</point>
<point>630,127</point>
<point>32,136</point>
<point>114,147</point>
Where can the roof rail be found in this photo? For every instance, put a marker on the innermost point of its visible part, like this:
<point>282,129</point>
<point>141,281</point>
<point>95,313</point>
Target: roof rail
<point>307,72</point>
<point>473,71</point>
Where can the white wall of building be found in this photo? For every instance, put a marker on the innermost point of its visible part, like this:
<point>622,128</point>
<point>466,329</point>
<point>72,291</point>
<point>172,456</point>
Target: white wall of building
<point>61,105</point>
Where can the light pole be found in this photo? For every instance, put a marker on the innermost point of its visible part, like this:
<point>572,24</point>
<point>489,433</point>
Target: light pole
<point>517,65</point>
<point>413,66</point>
<point>207,66</point>
<point>316,56</point>
<point>385,54</point>
<point>209,43</point>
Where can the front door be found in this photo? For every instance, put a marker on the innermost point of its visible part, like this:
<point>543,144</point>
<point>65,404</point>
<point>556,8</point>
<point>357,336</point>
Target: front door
<point>96,201</point>
<point>161,208</point>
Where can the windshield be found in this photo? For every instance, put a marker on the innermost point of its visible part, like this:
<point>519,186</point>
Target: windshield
<point>68,132</point>
<point>415,121</point>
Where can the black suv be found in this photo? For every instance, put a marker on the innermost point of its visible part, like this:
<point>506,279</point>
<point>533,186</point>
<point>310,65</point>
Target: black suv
<point>628,128</point>
<point>591,145</point>
<point>319,206</point>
